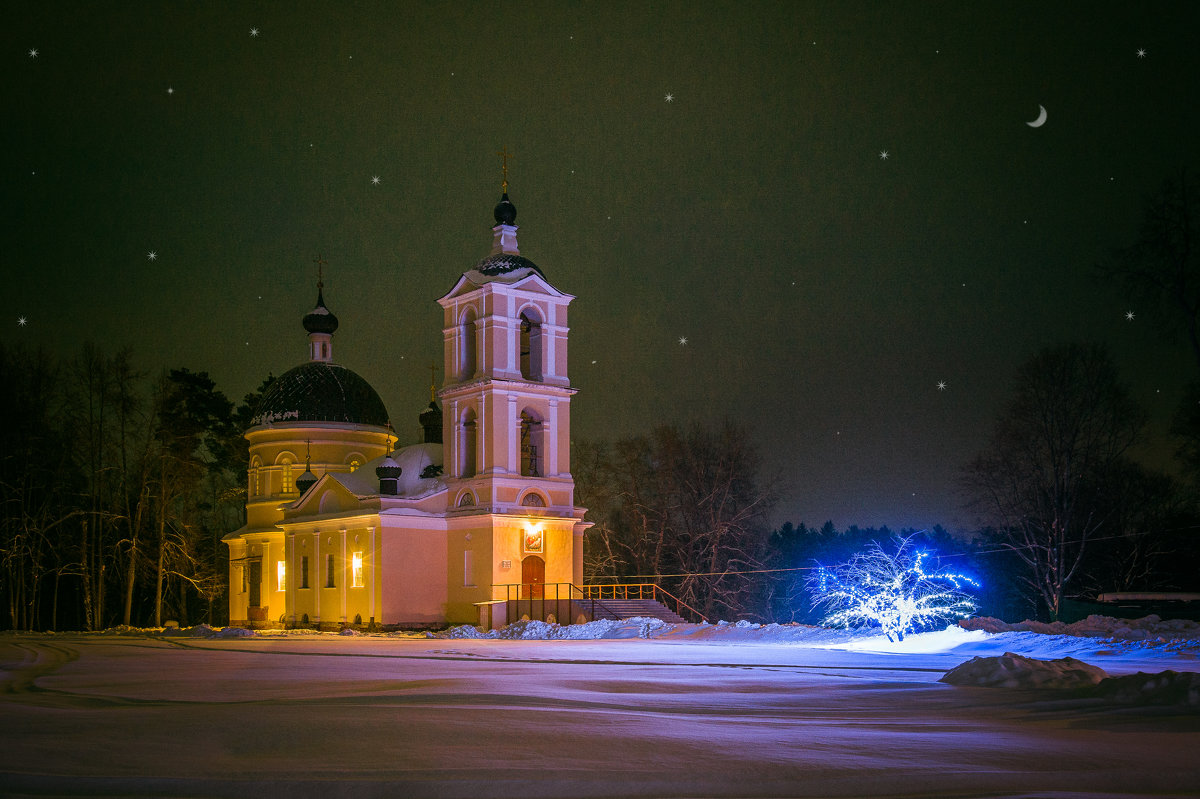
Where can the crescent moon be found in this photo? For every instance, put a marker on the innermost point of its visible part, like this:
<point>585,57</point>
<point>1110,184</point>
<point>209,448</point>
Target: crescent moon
<point>1041,120</point>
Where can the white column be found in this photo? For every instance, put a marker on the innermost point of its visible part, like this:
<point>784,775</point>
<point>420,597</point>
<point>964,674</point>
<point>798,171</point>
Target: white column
<point>371,575</point>
<point>345,573</point>
<point>514,436</point>
<point>550,439</point>
<point>289,576</point>
<point>320,581</point>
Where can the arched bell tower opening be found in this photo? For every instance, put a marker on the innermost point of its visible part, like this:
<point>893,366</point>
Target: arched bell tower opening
<point>468,444</point>
<point>531,344</point>
<point>468,356</point>
<point>533,448</point>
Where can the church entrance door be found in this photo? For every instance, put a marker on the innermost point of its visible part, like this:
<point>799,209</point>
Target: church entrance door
<point>254,581</point>
<point>533,578</point>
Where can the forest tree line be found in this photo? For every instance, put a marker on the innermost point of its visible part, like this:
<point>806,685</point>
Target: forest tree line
<point>115,489</point>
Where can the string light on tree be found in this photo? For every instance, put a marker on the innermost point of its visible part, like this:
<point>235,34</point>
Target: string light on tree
<point>890,590</point>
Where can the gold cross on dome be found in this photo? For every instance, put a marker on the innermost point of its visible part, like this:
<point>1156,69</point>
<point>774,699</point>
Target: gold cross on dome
<point>504,156</point>
<point>321,263</point>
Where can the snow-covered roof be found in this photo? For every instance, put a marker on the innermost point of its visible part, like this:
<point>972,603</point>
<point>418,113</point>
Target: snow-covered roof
<point>412,460</point>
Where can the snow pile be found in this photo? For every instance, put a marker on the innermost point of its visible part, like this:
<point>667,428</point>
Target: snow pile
<point>527,630</point>
<point>1147,628</point>
<point>201,631</point>
<point>1165,688</point>
<point>1011,670</point>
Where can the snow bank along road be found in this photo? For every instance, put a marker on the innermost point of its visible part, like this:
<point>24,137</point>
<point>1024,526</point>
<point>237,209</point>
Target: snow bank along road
<point>684,714</point>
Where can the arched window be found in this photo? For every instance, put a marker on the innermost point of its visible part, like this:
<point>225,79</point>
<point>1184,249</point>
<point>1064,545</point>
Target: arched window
<point>468,442</point>
<point>532,451</point>
<point>466,500</point>
<point>531,344</point>
<point>533,500</point>
<point>288,486</point>
<point>467,345</point>
<point>255,488</point>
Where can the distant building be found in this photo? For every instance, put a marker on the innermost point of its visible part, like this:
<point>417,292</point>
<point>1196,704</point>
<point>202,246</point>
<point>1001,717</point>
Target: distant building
<point>344,530</point>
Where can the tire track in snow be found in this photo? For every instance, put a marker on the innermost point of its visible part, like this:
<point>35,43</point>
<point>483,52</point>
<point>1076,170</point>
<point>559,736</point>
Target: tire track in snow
<point>17,676</point>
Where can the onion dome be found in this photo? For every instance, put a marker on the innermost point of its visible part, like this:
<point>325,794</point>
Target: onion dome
<point>305,481</point>
<point>431,423</point>
<point>320,391</point>
<point>388,472</point>
<point>320,319</point>
<point>505,212</point>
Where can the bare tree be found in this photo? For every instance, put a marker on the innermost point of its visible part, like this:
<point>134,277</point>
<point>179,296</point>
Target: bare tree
<point>1053,457</point>
<point>685,509</point>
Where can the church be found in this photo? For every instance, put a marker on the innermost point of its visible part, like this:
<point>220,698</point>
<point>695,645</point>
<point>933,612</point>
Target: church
<point>344,529</point>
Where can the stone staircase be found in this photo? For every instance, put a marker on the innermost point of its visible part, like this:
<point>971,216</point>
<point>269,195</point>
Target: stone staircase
<point>628,608</point>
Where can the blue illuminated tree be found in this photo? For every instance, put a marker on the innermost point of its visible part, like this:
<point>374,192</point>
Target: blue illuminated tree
<point>894,591</point>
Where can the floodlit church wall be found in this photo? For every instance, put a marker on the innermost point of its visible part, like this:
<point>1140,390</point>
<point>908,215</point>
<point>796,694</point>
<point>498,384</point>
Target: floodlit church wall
<point>413,573</point>
<point>468,547</point>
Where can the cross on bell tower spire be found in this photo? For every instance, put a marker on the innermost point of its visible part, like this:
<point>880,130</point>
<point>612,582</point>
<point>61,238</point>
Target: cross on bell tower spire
<point>504,156</point>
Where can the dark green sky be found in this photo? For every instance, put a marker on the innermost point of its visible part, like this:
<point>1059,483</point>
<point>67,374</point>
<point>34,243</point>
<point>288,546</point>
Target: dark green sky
<point>824,291</point>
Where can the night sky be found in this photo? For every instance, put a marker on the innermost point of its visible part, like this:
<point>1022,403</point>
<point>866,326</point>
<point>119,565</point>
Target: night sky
<point>807,217</point>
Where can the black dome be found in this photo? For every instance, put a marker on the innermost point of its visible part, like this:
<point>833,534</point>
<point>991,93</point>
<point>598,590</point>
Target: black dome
<point>320,319</point>
<point>320,392</point>
<point>505,212</point>
<point>502,263</point>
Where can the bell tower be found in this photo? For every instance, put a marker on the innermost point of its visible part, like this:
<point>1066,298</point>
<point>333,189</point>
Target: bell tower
<point>506,398</point>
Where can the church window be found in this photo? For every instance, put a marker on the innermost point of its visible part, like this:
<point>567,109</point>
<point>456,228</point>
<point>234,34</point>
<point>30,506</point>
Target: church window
<point>304,571</point>
<point>281,574</point>
<point>329,571</point>
<point>288,485</point>
<point>467,346</point>
<point>468,442</point>
<point>466,500</point>
<point>469,568</point>
<point>356,570</point>
<point>254,481</point>
<point>531,445</point>
<point>533,500</point>
<point>531,346</point>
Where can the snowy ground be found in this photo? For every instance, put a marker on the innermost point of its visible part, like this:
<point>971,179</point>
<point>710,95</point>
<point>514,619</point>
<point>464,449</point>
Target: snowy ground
<point>632,709</point>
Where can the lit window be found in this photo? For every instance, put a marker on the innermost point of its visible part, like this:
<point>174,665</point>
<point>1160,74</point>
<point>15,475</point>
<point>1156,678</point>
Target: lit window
<point>329,571</point>
<point>287,477</point>
<point>304,571</point>
<point>356,570</point>
<point>281,573</point>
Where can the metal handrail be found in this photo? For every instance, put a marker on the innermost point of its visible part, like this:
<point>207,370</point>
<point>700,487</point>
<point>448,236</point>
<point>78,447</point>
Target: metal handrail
<point>573,593</point>
<point>642,588</point>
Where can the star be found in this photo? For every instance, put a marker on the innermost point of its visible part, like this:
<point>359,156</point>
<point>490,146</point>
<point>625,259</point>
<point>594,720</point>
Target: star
<point>254,31</point>
<point>1141,52</point>
<point>152,256</point>
<point>883,155</point>
<point>22,322</point>
<point>170,90</point>
<point>683,341</point>
<point>670,98</point>
<point>375,180</point>
<point>33,53</point>
<point>941,385</point>
<point>1129,316</point>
